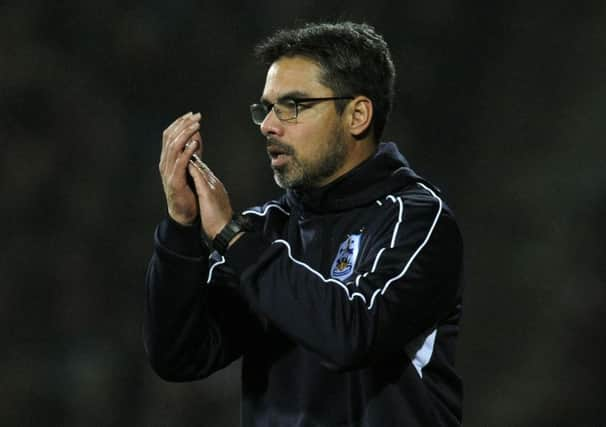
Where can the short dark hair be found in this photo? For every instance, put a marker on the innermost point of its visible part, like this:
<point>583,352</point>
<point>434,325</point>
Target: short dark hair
<point>354,60</point>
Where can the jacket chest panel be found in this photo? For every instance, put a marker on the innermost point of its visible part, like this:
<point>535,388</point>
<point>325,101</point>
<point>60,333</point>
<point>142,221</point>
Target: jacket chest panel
<point>334,244</point>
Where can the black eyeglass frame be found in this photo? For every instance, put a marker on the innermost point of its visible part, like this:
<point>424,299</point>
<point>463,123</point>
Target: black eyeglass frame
<point>266,108</point>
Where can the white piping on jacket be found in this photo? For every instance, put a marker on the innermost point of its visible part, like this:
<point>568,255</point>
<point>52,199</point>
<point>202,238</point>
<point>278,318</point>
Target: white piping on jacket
<point>318,274</point>
<point>250,211</point>
<point>375,263</point>
<point>212,267</point>
<point>267,207</point>
<point>414,255</point>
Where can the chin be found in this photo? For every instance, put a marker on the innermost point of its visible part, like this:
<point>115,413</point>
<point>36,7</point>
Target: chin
<point>279,182</point>
<point>286,182</point>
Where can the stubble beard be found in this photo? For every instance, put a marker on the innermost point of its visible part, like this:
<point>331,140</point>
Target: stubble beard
<point>300,174</point>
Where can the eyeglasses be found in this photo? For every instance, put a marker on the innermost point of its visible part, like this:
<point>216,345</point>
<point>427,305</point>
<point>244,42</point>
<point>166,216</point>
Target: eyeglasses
<point>286,109</point>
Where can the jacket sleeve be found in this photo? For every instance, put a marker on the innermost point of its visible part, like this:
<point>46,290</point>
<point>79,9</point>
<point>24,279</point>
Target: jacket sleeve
<point>191,329</point>
<point>400,292</point>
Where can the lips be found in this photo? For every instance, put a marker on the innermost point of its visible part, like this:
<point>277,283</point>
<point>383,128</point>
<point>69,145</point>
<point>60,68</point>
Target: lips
<point>275,151</point>
<point>278,153</point>
<point>278,159</point>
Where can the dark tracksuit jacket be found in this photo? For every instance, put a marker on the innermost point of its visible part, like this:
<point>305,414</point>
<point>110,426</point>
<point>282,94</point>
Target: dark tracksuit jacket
<point>344,303</point>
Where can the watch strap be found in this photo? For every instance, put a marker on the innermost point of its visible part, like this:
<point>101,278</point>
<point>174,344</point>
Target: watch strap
<point>221,240</point>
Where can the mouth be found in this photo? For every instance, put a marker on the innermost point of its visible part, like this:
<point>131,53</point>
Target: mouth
<point>278,154</point>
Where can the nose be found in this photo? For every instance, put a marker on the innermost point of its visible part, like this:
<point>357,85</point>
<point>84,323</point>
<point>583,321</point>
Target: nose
<point>271,125</point>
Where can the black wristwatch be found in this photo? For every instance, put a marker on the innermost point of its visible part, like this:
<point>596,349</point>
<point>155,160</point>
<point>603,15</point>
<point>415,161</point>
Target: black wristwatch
<point>237,225</point>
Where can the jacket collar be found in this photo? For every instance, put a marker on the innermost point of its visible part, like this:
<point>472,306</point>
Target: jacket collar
<point>383,173</point>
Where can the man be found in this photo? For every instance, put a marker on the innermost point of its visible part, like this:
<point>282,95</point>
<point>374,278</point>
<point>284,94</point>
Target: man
<point>343,297</point>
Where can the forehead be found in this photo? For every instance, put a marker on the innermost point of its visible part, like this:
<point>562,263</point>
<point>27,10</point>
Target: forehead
<point>294,75</point>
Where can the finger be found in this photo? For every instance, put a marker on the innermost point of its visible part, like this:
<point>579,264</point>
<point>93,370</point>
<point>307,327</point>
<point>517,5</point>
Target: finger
<point>171,128</point>
<point>179,173</point>
<point>197,137</point>
<point>177,133</point>
<point>209,174</point>
<point>214,183</point>
<point>203,187</point>
<point>166,135</point>
<point>215,208</point>
<point>181,124</point>
<point>184,127</point>
<point>175,148</point>
<point>185,134</point>
<point>205,173</point>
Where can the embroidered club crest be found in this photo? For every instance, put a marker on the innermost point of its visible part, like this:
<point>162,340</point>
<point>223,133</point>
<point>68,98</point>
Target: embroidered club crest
<point>343,265</point>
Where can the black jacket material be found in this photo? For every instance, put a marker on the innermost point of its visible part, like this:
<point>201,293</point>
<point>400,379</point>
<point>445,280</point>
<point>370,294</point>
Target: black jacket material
<point>344,304</point>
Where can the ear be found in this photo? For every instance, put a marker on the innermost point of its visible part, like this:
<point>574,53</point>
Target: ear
<point>360,116</point>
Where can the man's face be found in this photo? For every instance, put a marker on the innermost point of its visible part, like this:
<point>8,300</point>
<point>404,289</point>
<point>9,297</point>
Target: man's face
<point>311,150</point>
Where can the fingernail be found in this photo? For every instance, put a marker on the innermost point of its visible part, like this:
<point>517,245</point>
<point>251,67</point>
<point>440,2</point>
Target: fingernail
<point>194,125</point>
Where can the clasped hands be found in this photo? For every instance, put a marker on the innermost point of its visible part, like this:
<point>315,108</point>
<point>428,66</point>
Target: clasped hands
<point>180,141</point>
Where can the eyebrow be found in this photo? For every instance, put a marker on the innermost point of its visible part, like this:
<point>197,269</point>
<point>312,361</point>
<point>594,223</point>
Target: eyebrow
<point>295,94</point>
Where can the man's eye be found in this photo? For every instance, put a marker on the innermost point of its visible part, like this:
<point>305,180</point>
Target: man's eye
<point>285,107</point>
<point>288,105</point>
<point>280,107</point>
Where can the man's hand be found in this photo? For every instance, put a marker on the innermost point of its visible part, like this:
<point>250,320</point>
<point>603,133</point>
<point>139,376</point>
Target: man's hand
<point>215,207</point>
<point>180,199</point>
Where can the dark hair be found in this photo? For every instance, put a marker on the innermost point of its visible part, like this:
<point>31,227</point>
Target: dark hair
<point>354,60</point>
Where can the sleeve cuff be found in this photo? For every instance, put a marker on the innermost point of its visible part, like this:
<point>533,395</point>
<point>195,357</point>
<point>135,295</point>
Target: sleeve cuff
<point>181,239</point>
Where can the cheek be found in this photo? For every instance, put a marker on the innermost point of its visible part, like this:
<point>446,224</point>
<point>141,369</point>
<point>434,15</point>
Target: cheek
<point>312,143</point>
<point>302,141</point>
<point>324,143</point>
<point>309,151</point>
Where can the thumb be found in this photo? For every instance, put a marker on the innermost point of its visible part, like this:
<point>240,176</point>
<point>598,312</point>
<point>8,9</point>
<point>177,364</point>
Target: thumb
<point>200,180</point>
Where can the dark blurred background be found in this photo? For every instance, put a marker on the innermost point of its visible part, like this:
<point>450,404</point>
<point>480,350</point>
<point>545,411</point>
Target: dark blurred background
<point>500,104</point>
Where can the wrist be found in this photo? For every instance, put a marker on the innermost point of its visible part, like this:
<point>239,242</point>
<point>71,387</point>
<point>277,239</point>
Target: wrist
<point>186,221</point>
<point>230,233</point>
<point>235,239</point>
<point>180,239</point>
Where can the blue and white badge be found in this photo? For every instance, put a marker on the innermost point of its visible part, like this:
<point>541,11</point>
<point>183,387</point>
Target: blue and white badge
<point>343,265</point>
